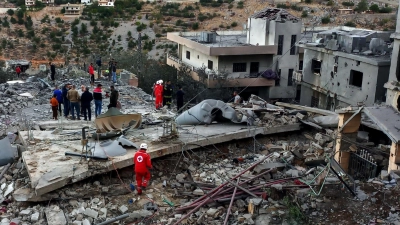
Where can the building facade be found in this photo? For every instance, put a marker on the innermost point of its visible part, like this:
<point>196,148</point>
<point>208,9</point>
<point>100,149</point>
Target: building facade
<point>73,9</point>
<point>344,66</point>
<point>109,3</point>
<point>30,3</point>
<point>267,44</point>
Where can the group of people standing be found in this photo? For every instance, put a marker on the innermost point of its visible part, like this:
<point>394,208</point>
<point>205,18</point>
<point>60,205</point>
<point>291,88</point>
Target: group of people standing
<point>163,95</point>
<point>75,104</point>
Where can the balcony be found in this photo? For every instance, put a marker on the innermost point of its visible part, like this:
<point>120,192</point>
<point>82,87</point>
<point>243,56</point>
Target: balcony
<point>214,80</point>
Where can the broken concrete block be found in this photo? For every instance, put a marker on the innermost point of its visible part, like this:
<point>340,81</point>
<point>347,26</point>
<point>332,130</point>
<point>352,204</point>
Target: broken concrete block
<point>138,214</point>
<point>180,177</point>
<point>300,116</point>
<point>85,222</point>
<point>123,209</point>
<point>384,175</point>
<point>25,212</point>
<point>35,217</point>
<point>91,213</point>
<point>77,222</point>
<point>55,217</point>
<point>212,211</point>
<point>266,166</point>
<point>256,201</point>
<point>198,192</point>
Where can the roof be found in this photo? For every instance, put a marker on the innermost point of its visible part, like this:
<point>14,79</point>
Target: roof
<point>18,61</point>
<point>224,39</point>
<point>389,123</point>
<point>275,14</point>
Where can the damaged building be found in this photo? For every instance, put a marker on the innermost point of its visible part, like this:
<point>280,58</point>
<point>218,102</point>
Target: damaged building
<point>344,66</point>
<point>266,49</point>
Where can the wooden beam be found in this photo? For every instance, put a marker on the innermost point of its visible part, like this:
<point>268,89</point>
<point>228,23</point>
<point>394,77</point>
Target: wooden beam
<point>306,108</point>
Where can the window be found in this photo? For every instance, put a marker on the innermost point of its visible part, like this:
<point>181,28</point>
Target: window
<point>187,54</point>
<point>316,66</point>
<point>336,59</point>
<point>290,78</point>
<point>358,63</point>
<point>335,68</point>
<point>280,44</point>
<point>356,78</point>
<point>239,67</point>
<point>292,45</point>
<point>210,64</point>
<point>277,81</point>
<point>301,65</point>
<point>315,99</point>
<point>254,67</point>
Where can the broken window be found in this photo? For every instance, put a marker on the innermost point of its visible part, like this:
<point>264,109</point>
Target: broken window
<point>210,64</point>
<point>336,59</point>
<point>277,81</point>
<point>316,66</point>
<point>188,55</point>
<point>292,45</point>
<point>290,78</point>
<point>335,68</point>
<point>280,44</point>
<point>239,67</point>
<point>301,65</point>
<point>358,63</point>
<point>356,78</point>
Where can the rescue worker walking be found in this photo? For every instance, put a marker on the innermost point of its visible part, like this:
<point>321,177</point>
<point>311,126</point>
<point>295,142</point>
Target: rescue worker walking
<point>142,162</point>
<point>18,71</point>
<point>167,94</point>
<point>91,73</point>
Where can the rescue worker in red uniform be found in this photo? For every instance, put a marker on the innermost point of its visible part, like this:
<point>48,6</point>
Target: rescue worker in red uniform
<point>142,162</point>
<point>158,92</point>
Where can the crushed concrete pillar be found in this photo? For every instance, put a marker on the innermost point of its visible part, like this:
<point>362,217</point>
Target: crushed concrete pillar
<point>349,131</point>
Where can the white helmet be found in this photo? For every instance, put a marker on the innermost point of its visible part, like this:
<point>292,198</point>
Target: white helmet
<point>161,81</point>
<point>158,82</point>
<point>143,146</point>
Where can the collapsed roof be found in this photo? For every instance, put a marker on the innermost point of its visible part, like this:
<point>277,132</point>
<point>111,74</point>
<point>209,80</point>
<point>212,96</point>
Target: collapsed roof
<point>275,14</point>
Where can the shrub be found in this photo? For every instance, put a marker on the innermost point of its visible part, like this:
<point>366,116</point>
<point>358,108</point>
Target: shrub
<point>348,3</point>
<point>350,24</point>
<point>325,20</point>
<point>304,14</point>
<point>195,26</point>
<point>234,24</point>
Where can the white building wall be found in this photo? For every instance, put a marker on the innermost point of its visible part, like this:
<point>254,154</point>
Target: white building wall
<point>197,59</point>
<point>257,31</point>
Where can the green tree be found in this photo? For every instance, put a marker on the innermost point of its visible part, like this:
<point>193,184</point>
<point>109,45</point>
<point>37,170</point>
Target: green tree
<point>234,24</point>
<point>362,6</point>
<point>374,8</point>
<point>350,24</point>
<point>325,20</point>
<point>304,14</point>
<point>10,12</point>
<point>195,26</point>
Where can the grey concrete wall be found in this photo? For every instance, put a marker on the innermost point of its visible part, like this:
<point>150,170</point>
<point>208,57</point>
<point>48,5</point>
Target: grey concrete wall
<point>285,61</point>
<point>225,63</point>
<point>383,77</point>
<point>390,94</point>
<point>339,83</point>
<point>305,96</point>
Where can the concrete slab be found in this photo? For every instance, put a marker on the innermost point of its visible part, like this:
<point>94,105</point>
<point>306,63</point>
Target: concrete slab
<point>49,168</point>
<point>389,124</point>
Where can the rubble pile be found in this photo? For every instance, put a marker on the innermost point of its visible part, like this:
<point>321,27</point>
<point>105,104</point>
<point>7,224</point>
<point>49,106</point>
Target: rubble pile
<point>30,100</point>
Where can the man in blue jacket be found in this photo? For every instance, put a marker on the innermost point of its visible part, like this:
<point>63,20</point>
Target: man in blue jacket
<point>65,90</point>
<point>59,96</point>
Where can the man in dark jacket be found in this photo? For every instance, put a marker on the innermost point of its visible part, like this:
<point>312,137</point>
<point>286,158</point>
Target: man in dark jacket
<point>113,97</point>
<point>66,103</point>
<point>168,94</point>
<point>59,97</point>
<point>86,98</point>
<point>98,62</point>
<point>52,71</point>
<point>110,63</point>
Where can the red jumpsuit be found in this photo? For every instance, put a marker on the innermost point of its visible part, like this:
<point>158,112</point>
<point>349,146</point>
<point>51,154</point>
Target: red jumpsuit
<point>142,162</point>
<point>158,92</point>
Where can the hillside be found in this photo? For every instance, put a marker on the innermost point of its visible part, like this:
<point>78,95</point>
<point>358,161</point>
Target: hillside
<point>43,35</point>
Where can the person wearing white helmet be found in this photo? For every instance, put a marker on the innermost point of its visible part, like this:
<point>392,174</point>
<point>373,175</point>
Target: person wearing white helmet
<point>142,162</point>
<point>158,93</point>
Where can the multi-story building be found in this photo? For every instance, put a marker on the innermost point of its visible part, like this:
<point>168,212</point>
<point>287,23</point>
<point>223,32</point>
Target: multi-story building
<point>30,3</point>
<point>344,66</point>
<point>73,9</point>
<point>106,3</point>
<point>267,45</point>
